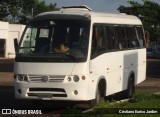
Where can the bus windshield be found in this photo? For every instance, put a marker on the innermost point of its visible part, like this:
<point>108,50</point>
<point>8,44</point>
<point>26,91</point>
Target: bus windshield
<point>57,40</point>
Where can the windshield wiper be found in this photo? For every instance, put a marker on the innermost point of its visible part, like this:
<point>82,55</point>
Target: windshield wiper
<point>71,56</point>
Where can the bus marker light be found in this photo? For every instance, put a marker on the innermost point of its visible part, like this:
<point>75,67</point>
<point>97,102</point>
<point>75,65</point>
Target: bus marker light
<point>75,92</point>
<point>83,77</point>
<point>20,77</point>
<point>69,79</point>
<point>25,78</point>
<point>19,91</point>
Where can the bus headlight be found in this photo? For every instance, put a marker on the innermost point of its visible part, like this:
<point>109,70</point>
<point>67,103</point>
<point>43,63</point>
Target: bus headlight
<point>76,78</point>
<point>25,78</point>
<point>20,77</point>
<point>83,77</point>
<point>69,79</point>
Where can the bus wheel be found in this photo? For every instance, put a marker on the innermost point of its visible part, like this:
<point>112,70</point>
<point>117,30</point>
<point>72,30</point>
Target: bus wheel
<point>97,99</point>
<point>130,88</point>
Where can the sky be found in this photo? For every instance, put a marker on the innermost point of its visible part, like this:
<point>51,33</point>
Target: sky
<point>96,5</point>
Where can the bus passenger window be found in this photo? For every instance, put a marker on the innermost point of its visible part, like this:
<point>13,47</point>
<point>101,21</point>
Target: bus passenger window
<point>110,40</point>
<point>140,36</point>
<point>131,37</point>
<point>98,41</point>
<point>121,37</point>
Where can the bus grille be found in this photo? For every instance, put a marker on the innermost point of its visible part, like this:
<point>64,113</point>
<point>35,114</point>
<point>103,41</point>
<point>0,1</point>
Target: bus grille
<point>46,92</point>
<point>46,78</point>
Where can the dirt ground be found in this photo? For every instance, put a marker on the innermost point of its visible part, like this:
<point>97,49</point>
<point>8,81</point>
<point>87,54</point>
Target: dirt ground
<point>151,85</point>
<point>6,78</point>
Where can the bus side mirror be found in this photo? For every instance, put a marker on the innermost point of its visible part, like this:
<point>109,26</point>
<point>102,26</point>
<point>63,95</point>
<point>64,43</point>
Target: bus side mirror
<point>15,44</point>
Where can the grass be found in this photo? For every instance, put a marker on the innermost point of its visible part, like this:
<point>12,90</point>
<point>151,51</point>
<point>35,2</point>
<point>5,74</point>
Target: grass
<point>141,103</point>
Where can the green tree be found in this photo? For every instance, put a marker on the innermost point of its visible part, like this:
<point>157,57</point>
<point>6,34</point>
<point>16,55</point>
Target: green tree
<point>26,11</point>
<point>148,12</point>
<point>3,9</point>
<point>40,7</point>
<point>15,10</point>
<point>21,11</point>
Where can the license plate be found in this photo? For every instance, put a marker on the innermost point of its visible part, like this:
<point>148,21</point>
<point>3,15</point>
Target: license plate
<point>45,95</point>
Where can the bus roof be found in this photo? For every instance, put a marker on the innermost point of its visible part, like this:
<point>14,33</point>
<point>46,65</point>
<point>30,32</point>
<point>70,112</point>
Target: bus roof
<point>85,13</point>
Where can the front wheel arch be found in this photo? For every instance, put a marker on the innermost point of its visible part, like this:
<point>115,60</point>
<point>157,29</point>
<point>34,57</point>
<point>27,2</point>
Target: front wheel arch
<point>100,92</point>
<point>102,87</point>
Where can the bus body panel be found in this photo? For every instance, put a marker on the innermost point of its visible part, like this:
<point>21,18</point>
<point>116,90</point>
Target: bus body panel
<point>81,68</point>
<point>49,69</point>
<point>141,75</point>
<point>68,88</point>
<point>44,68</point>
<point>111,66</point>
<point>116,20</point>
<point>116,67</point>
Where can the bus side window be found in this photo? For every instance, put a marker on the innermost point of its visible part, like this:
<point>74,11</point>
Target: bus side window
<point>120,37</point>
<point>140,36</point>
<point>98,40</point>
<point>110,40</point>
<point>131,37</point>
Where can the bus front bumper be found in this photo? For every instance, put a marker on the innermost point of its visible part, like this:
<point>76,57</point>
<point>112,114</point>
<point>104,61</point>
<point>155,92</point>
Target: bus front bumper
<point>51,91</point>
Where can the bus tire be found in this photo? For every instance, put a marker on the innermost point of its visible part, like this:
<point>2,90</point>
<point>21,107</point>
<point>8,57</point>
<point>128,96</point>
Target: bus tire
<point>97,99</point>
<point>130,88</point>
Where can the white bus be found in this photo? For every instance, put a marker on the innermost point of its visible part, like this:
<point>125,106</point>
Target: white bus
<point>79,55</point>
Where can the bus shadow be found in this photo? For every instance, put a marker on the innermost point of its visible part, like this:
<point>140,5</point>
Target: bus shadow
<point>8,101</point>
